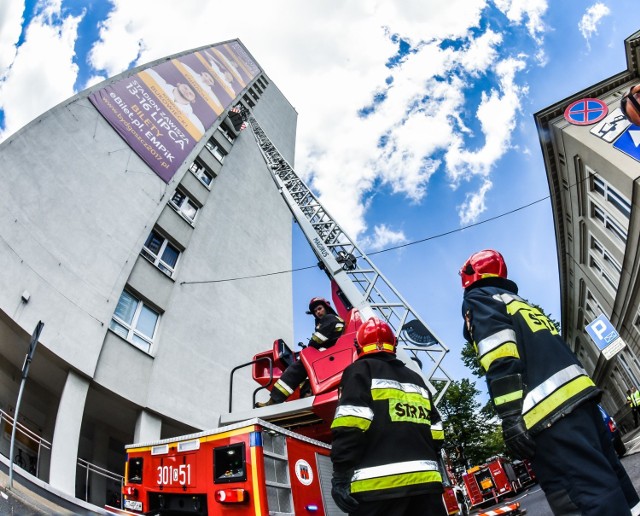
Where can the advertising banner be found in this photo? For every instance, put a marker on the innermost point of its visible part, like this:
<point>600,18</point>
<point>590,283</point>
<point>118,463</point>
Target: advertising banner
<point>163,111</point>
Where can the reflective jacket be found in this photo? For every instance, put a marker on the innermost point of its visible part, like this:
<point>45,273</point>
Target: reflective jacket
<point>634,399</point>
<point>328,329</point>
<point>530,369</point>
<point>386,430</point>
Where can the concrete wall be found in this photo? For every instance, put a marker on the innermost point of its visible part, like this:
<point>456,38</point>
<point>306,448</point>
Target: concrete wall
<point>78,205</point>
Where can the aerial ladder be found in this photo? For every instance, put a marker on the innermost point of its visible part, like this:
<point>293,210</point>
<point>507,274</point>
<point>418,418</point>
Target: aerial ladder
<point>360,282</point>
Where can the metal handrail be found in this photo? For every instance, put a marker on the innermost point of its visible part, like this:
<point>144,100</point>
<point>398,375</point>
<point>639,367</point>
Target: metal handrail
<point>259,388</point>
<point>92,468</point>
<point>29,434</point>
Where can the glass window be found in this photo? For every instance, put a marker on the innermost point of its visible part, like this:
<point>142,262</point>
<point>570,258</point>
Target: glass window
<point>216,150</point>
<point>162,253</point>
<point>201,172</point>
<point>609,193</point>
<point>183,205</point>
<point>135,321</point>
<point>226,133</point>
<point>609,223</point>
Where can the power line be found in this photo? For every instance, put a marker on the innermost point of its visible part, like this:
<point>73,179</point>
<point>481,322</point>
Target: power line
<point>393,248</point>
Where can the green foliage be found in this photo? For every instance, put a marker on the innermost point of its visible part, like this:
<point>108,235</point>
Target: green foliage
<point>470,359</point>
<point>470,436</point>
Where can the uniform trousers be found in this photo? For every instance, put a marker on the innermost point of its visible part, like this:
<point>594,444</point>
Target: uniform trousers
<point>416,505</point>
<point>579,470</point>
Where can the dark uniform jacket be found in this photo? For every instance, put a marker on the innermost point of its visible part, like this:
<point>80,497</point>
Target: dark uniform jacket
<point>529,367</point>
<point>328,329</point>
<point>386,430</point>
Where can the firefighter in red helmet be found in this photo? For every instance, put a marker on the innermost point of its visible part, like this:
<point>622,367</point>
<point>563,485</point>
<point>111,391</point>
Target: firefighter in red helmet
<point>328,328</point>
<point>545,398</point>
<point>387,434</point>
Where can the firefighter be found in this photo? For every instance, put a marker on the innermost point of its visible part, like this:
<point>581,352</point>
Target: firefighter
<point>387,434</point>
<point>328,328</point>
<point>546,400</point>
<point>633,398</point>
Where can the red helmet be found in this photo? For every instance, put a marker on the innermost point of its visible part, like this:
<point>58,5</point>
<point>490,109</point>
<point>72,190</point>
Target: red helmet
<point>483,264</point>
<point>375,336</point>
<point>315,301</point>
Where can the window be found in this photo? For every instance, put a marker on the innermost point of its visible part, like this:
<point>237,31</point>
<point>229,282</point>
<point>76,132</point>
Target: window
<point>597,266</point>
<point>135,321</point>
<point>606,256</point>
<point>601,187</point>
<point>216,150</point>
<point>201,172</point>
<point>183,205</point>
<point>610,224</point>
<point>159,251</point>
<point>226,133</point>
<point>592,306</point>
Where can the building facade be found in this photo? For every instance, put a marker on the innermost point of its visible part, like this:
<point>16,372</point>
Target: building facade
<point>128,217</point>
<point>592,160</point>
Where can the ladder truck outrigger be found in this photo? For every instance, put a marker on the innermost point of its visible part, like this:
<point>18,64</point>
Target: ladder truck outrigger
<point>275,459</point>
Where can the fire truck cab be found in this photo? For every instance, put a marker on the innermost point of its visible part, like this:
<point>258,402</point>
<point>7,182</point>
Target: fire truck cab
<point>250,468</point>
<point>490,481</point>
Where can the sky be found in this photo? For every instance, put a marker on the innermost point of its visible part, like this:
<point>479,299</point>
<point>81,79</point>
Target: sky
<point>415,117</point>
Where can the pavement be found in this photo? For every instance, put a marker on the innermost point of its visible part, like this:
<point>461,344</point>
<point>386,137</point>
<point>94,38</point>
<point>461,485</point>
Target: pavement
<point>632,441</point>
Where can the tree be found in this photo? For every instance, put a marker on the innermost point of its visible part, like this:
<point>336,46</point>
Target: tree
<point>470,435</point>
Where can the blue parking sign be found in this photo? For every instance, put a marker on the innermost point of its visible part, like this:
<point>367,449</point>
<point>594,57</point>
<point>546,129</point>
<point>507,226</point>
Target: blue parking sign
<point>605,336</point>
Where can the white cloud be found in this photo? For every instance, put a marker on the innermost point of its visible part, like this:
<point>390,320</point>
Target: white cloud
<point>10,28</point>
<point>588,24</point>
<point>533,10</point>
<point>383,237</point>
<point>474,204</point>
<point>43,72</point>
<point>328,73</point>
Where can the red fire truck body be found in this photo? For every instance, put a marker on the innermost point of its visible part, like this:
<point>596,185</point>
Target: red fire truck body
<point>490,481</point>
<point>252,468</point>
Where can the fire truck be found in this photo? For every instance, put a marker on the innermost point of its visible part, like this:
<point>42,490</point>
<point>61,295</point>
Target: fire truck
<point>275,459</point>
<point>490,482</point>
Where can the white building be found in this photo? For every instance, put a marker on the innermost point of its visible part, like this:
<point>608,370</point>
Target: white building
<point>593,168</point>
<point>118,263</point>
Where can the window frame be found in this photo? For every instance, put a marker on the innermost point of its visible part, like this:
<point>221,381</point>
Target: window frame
<point>131,328</point>
<point>186,200</point>
<point>609,223</point>
<point>226,132</point>
<point>156,259</point>
<point>199,170</point>
<point>216,149</point>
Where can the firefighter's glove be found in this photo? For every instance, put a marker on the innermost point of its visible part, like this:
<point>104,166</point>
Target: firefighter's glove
<point>341,492</point>
<point>517,438</point>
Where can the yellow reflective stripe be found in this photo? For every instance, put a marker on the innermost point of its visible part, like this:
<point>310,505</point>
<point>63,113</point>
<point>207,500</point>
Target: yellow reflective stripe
<point>372,347</point>
<point>396,394</point>
<point>506,398</point>
<point>283,388</point>
<point>437,435</point>
<point>557,398</point>
<point>507,350</point>
<point>351,422</point>
<point>394,481</point>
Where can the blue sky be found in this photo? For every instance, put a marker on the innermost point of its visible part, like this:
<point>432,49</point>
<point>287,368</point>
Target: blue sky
<point>415,117</point>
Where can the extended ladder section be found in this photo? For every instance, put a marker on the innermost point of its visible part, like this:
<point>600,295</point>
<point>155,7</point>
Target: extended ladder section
<point>361,283</point>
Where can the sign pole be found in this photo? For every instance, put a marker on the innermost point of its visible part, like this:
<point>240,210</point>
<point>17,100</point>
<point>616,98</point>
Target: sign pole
<point>25,372</point>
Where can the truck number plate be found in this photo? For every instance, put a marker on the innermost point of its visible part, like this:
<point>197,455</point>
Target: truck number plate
<point>133,505</point>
